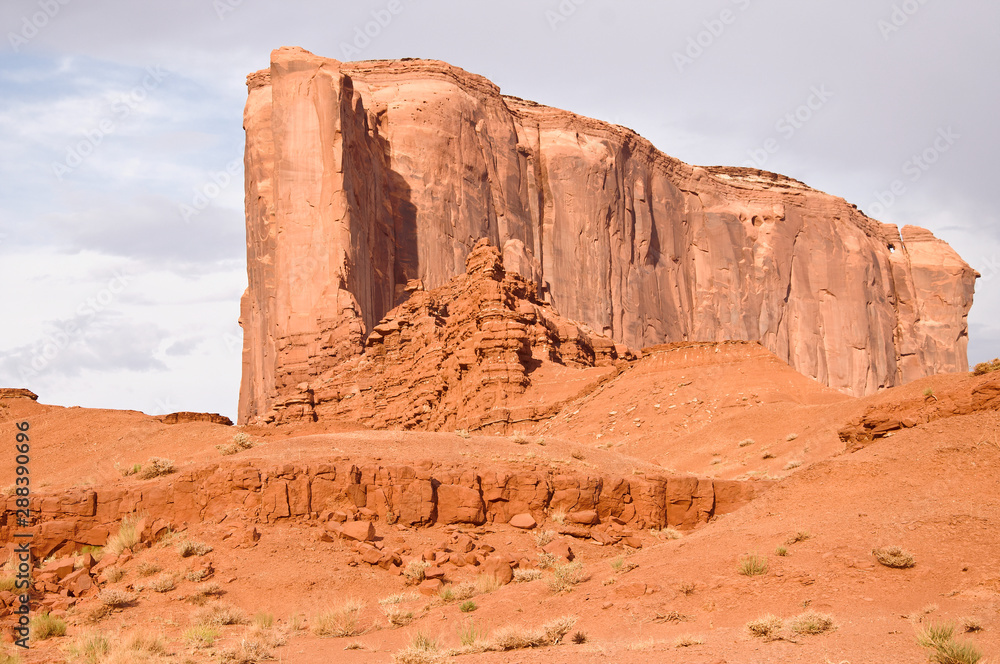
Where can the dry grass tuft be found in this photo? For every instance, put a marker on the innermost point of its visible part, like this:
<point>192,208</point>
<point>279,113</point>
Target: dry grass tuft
<point>527,574</point>
<point>342,621</point>
<point>746,442</point>
<point>422,650</point>
<point>115,598</point>
<point>189,548</point>
<point>163,583</point>
<point>986,367</point>
<point>894,556</point>
<point>765,627</point>
<point>939,639</point>
<point>812,623</point>
<point>128,535</point>
<point>687,641</point>
<point>414,572</point>
<point>800,536</point>
<point>219,614</point>
<point>44,626</point>
<point>145,569</point>
<point>666,533</point>
<point>156,467</point>
<point>201,636</point>
<point>567,575</point>
<point>397,616</point>
<point>544,537</point>
<point>241,441</point>
<point>752,565</point>
<point>971,624</point>
<point>515,637</point>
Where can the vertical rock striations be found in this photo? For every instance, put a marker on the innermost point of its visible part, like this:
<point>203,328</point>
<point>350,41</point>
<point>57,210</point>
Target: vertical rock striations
<point>364,178</point>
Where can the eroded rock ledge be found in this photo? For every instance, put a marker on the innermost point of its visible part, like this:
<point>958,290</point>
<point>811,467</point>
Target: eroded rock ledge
<point>419,495</point>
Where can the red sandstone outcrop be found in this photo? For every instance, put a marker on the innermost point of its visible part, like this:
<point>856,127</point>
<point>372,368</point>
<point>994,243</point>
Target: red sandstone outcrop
<point>185,416</point>
<point>365,179</point>
<point>456,357</point>
<point>419,495</point>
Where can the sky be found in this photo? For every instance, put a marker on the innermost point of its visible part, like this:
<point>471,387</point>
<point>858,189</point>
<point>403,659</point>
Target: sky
<point>122,241</point>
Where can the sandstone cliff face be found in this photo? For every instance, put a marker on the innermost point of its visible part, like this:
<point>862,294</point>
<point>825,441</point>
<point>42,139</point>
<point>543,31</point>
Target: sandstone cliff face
<point>364,177</point>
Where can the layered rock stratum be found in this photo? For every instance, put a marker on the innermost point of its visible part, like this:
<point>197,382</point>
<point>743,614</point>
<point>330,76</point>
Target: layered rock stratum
<point>368,182</point>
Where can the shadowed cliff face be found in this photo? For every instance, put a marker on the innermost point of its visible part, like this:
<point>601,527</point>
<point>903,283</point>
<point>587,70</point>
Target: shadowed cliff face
<point>364,177</point>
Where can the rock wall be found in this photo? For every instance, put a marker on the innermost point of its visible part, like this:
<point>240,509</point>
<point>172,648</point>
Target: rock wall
<point>418,495</point>
<point>363,177</point>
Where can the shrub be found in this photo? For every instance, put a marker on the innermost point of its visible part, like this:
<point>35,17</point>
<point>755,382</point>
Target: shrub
<point>544,537</point>
<point>189,548</point>
<point>565,576</point>
<point>792,465</point>
<point>128,471</point>
<point>767,455</point>
<point>397,616</point>
<point>462,433</point>
<point>519,439</point>
<point>163,583</point>
<point>746,442</point>
<point>219,614</point>
<point>469,634</point>
<point>203,592</point>
<point>241,441</point>
<point>939,639</point>
<point>115,598</point>
<point>800,536</point>
<point>527,574</point>
<point>201,636</point>
<point>812,622</point>
<point>895,557</point>
<point>518,637</point>
<point>145,569</point>
<point>196,575</point>
<point>342,621</point>
<point>559,516</point>
<point>128,535</point>
<point>547,560</point>
<point>792,436</point>
<point>621,566</point>
<point>752,565</point>
<point>781,551</point>
<point>263,620</point>
<point>45,626</point>
<point>972,624</point>
<point>765,627</point>
<point>666,533</point>
<point>688,641</point>
<point>414,572</point>
<point>579,638</point>
<point>248,651</point>
<point>90,648</point>
<point>422,650</point>
<point>687,588</point>
<point>986,367</point>
<point>468,606</point>
<point>156,467</point>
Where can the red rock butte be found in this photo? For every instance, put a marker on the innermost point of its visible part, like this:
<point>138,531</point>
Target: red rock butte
<point>370,182</point>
